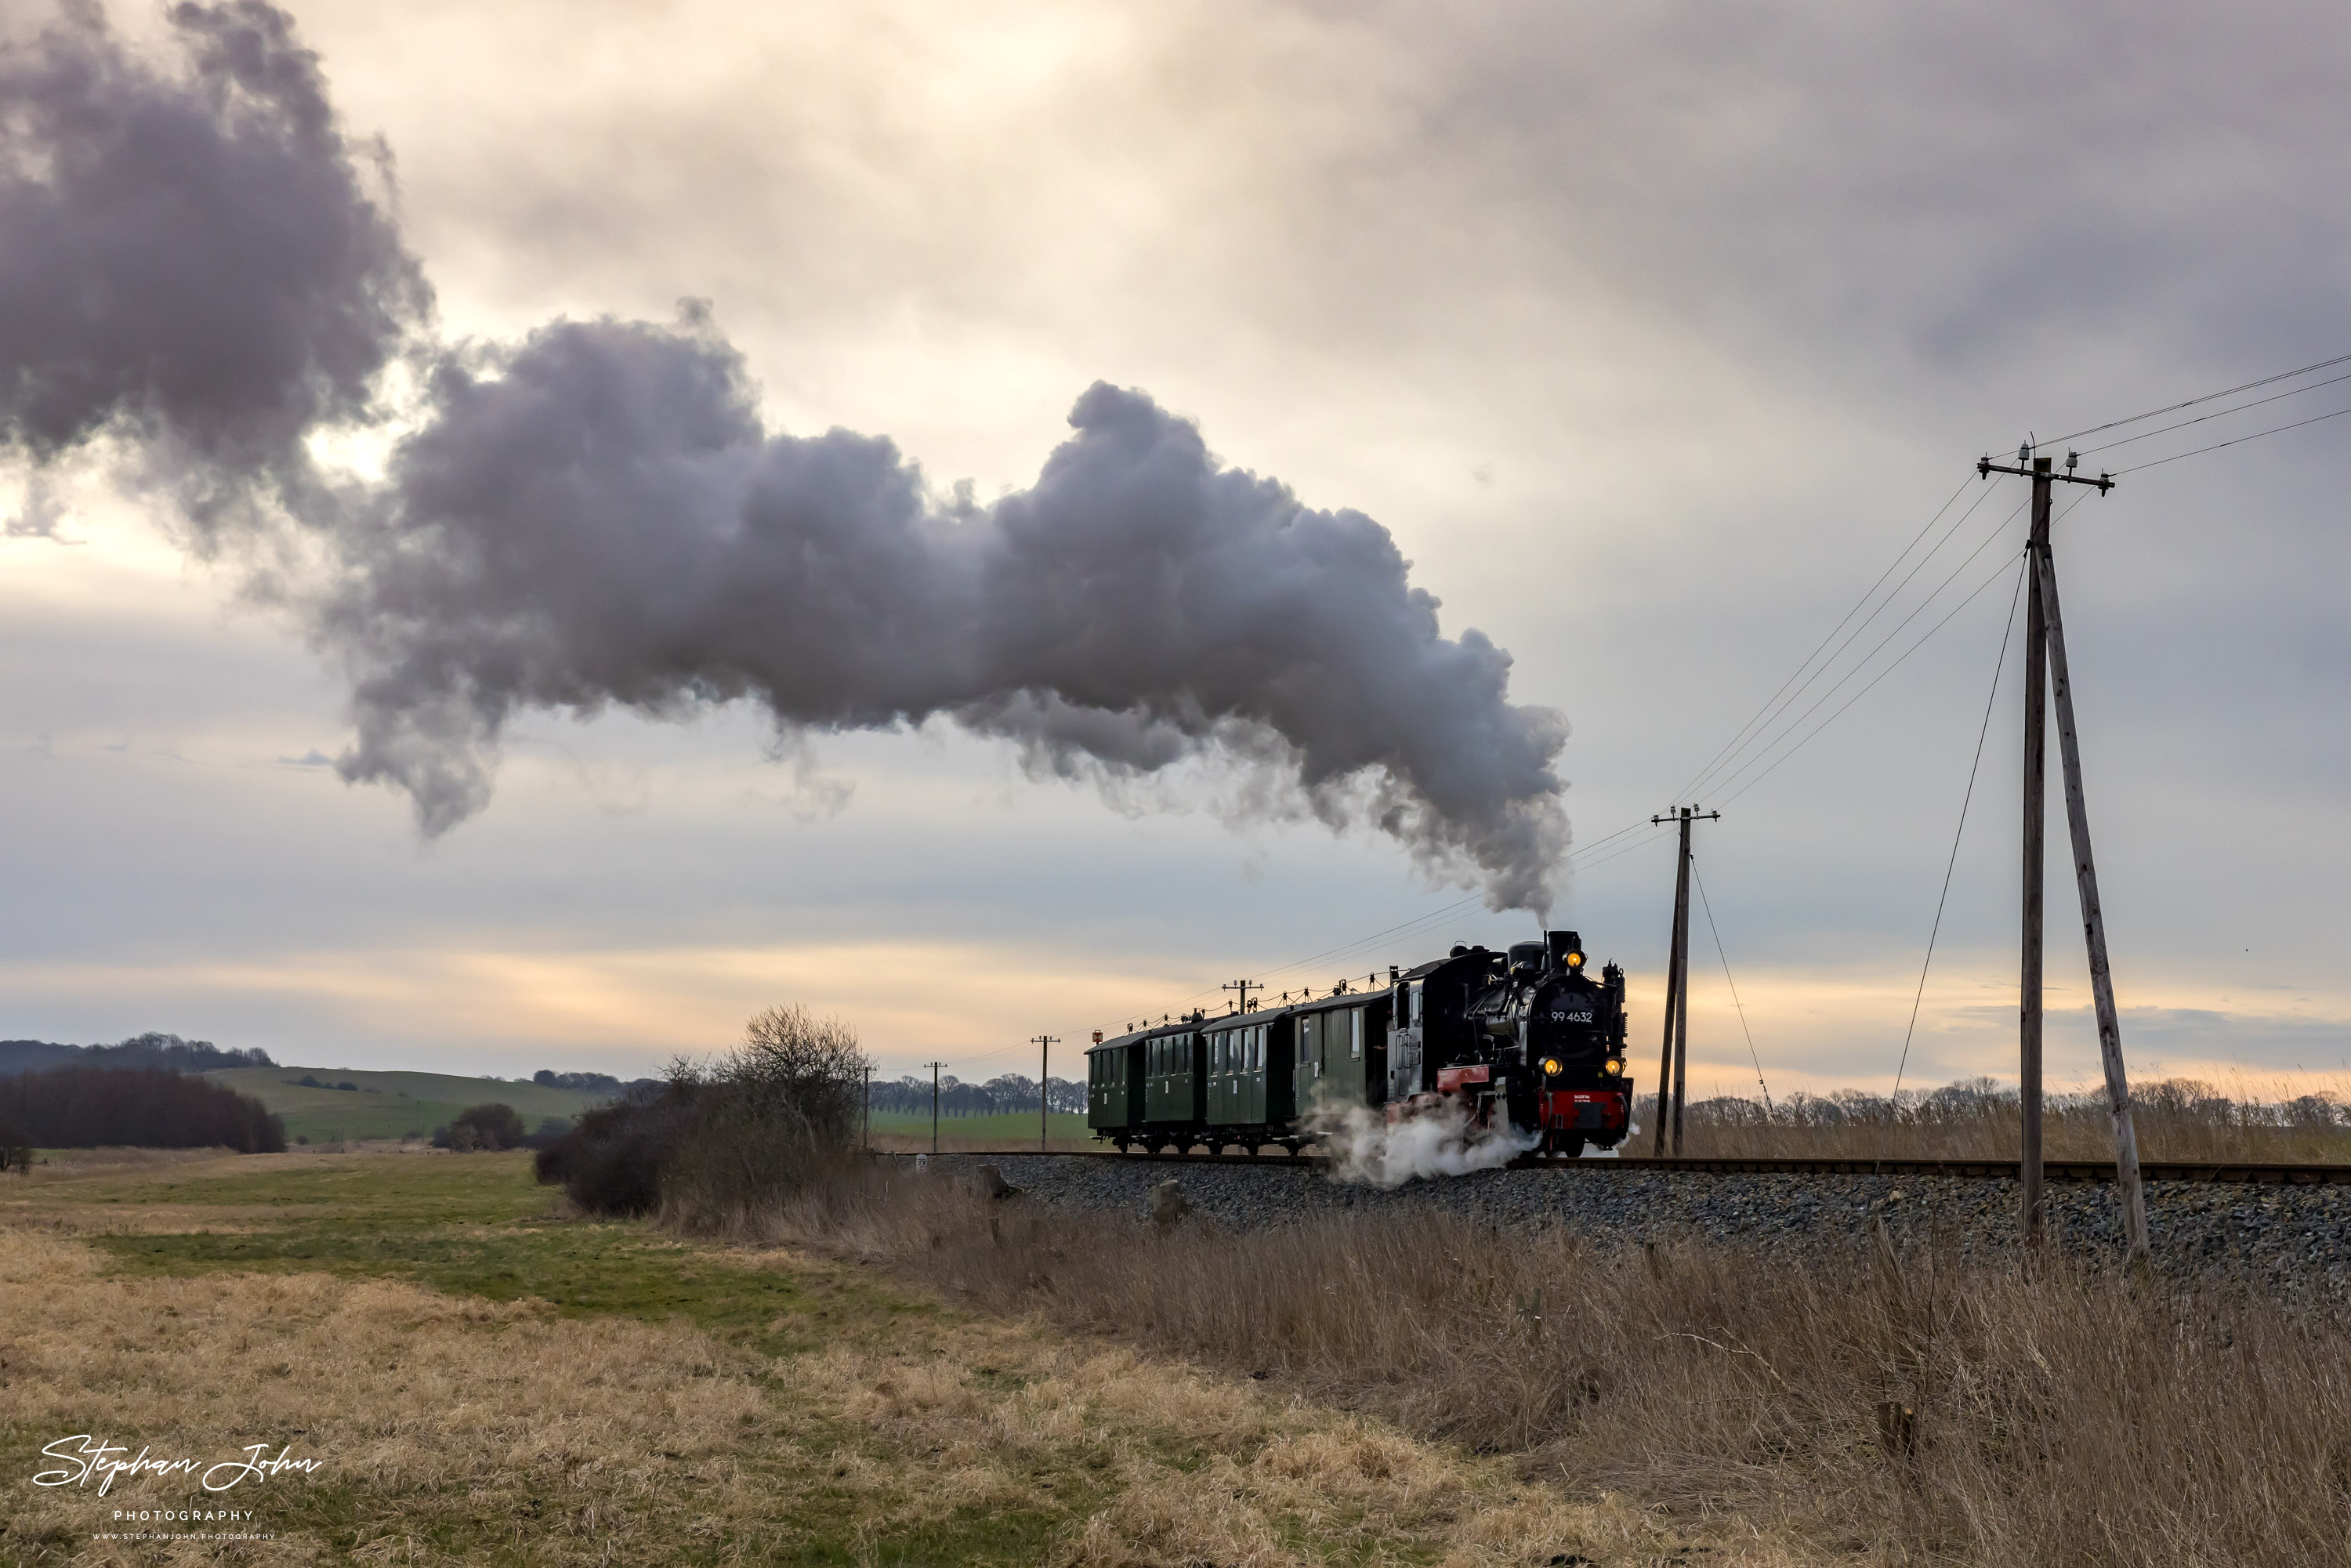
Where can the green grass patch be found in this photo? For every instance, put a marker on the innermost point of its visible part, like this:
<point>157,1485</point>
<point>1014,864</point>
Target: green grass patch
<point>478,1225</point>
<point>388,1105</point>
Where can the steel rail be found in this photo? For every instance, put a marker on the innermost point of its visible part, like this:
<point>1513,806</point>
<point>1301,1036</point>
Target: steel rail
<point>2258,1173</point>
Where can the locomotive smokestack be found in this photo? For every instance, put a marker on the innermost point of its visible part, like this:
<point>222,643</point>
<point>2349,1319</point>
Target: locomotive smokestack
<point>600,515</point>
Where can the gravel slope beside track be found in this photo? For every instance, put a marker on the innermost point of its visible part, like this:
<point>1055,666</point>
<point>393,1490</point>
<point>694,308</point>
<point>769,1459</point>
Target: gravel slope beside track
<point>2294,1240</point>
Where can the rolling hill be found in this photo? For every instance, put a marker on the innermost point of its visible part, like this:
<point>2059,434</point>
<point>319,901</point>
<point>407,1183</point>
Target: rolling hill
<point>389,1105</point>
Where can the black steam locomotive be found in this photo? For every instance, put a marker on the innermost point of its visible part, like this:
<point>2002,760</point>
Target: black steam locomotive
<point>1525,1040</point>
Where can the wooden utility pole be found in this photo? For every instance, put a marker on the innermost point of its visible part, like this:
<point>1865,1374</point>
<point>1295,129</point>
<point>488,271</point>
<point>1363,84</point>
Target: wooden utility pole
<point>1044,1044</point>
<point>2036,817</point>
<point>935,1105</point>
<point>2094,928</point>
<point>2043,564</point>
<point>1673,1064</point>
<point>869,1109</point>
<point>1244,987</point>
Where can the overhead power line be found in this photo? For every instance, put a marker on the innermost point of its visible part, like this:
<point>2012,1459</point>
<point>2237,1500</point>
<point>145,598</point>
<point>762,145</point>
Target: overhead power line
<point>2256,435</point>
<point>2207,397</point>
<point>2216,414</point>
<point>1704,903</point>
<point>1761,713</point>
<point>1966,800</point>
<point>1863,663</point>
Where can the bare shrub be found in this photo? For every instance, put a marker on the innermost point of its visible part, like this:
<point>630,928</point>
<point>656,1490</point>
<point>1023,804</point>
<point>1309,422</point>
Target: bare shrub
<point>487,1127</point>
<point>719,1147</point>
<point>2062,1417</point>
<point>610,1160</point>
<point>765,1118</point>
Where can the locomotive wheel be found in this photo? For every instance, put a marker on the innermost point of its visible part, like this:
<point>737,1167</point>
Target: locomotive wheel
<point>1569,1148</point>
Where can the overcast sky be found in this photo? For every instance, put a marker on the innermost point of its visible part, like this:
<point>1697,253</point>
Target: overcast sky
<point>1652,334</point>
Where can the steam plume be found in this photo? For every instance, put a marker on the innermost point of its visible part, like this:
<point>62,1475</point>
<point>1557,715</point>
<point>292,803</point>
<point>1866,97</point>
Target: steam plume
<point>190,259</point>
<point>1442,1141</point>
<point>597,515</point>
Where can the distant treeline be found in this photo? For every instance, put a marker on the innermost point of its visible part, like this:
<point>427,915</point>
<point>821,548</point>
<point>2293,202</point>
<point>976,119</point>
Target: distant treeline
<point>149,1052</point>
<point>911,1095</point>
<point>2172,1119</point>
<point>1988,1100</point>
<point>593,1082</point>
<point>151,1107</point>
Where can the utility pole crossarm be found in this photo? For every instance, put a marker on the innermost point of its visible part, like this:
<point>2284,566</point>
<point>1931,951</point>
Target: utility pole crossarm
<point>1986,468</point>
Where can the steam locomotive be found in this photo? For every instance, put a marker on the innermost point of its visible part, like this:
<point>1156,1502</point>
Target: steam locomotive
<point>1525,1041</point>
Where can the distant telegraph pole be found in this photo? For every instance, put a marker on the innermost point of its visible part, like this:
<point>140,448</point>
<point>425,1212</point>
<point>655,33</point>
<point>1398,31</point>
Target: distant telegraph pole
<point>1244,987</point>
<point>869,1108</point>
<point>1672,1064</point>
<point>1044,1044</point>
<point>935,1105</point>
<point>2045,670</point>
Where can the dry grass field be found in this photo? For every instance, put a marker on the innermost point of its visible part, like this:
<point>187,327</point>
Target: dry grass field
<point>1901,1409</point>
<point>896,1371</point>
<point>486,1380</point>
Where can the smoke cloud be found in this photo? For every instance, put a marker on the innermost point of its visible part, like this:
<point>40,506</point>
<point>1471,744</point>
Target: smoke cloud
<point>191,259</point>
<point>597,515</point>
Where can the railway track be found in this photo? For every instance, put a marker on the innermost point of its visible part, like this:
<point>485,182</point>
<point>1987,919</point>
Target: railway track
<point>2243,1172</point>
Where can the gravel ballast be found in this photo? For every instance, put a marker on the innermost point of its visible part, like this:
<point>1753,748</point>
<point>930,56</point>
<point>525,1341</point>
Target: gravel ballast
<point>2285,1240</point>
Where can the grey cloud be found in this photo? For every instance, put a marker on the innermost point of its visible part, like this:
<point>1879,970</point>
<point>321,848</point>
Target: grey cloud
<point>599,516</point>
<point>193,258</point>
<point>1897,195</point>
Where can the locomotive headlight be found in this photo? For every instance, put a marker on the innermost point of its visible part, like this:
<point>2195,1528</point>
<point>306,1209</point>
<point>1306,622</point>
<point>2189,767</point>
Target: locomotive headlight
<point>1614,1067</point>
<point>1551,1067</point>
<point>1575,960</point>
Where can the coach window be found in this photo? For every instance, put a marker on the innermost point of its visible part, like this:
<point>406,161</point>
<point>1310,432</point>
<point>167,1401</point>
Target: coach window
<point>1355,1033</point>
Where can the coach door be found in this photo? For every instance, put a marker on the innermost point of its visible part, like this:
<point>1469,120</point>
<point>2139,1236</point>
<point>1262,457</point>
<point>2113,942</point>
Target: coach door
<point>1310,1062</point>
